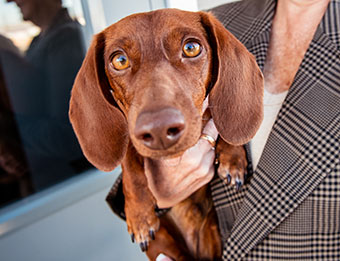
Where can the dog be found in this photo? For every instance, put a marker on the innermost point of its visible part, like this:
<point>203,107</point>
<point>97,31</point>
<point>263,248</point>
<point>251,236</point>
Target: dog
<point>139,93</point>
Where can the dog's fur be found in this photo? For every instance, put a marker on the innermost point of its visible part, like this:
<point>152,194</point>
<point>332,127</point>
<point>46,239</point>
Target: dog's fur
<point>160,77</point>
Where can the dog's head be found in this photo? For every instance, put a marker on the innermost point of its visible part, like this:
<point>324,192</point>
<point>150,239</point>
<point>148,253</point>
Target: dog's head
<point>145,78</point>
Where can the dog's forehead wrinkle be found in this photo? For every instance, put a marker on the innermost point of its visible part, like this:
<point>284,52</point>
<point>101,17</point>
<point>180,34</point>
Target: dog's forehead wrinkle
<point>161,92</point>
<point>146,34</point>
<point>150,27</point>
<point>157,72</point>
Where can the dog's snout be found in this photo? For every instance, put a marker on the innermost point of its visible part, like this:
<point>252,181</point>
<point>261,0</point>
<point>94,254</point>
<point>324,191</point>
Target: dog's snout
<point>160,129</point>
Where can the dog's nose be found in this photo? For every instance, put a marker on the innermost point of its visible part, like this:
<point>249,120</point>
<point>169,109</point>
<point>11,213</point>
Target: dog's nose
<point>160,129</point>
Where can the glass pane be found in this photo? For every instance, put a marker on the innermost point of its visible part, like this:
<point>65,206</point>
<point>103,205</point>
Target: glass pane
<point>39,59</point>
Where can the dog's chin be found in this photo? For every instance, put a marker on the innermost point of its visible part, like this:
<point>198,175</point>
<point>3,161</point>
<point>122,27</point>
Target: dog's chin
<point>175,150</point>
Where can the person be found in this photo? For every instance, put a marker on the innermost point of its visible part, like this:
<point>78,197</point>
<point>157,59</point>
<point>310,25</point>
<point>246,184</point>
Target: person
<point>290,207</point>
<point>39,86</point>
<point>14,176</point>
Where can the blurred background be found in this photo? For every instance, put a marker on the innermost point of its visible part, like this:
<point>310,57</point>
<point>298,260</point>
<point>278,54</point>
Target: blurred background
<point>52,201</point>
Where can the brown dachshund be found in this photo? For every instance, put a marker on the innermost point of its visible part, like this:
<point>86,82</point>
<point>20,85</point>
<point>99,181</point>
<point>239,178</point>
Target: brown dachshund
<point>139,93</point>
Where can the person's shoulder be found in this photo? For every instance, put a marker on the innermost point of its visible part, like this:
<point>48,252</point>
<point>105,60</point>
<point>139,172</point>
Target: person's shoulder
<point>230,11</point>
<point>228,7</point>
<point>68,33</point>
<point>7,45</point>
<point>70,27</point>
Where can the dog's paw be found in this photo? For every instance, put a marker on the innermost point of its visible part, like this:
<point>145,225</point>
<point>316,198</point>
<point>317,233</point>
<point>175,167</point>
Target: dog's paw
<point>142,226</point>
<point>232,163</point>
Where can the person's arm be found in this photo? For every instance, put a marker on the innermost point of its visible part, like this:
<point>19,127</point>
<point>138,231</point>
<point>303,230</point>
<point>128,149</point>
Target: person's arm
<point>66,52</point>
<point>50,133</point>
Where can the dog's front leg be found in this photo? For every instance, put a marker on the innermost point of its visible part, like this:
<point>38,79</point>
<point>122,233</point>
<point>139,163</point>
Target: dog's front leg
<point>232,163</point>
<point>141,218</point>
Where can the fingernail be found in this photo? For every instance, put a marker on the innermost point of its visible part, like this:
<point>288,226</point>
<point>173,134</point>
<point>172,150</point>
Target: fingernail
<point>162,257</point>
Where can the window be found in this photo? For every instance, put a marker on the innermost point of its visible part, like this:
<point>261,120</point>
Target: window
<point>41,50</point>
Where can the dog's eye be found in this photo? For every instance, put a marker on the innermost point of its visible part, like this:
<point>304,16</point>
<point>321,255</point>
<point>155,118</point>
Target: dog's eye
<point>120,62</point>
<point>191,49</point>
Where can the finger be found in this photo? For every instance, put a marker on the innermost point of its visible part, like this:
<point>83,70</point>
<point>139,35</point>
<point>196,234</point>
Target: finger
<point>198,183</point>
<point>197,149</point>
<point>201,175</point>
<point>162,257</point>
<point>189,183</point>
<point>208,165</point>
<point>205,104</point>
<point>187,188</point>
<point>210,129</point>
<point>172,162</point>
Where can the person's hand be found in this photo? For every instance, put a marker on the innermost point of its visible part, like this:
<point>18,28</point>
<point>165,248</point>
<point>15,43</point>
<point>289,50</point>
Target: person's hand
<point>173,180</point>
<point>162,257</point>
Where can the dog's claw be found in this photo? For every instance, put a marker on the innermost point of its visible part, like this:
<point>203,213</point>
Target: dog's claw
<point>144,246</point>
<point>238,184</point>
<point>245,176</point>
<point>142,229</point>
<point>152,234</point>
<point>228,178</point>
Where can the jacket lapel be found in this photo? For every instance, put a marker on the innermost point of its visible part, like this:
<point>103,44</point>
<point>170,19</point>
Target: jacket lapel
<point>303,146</point>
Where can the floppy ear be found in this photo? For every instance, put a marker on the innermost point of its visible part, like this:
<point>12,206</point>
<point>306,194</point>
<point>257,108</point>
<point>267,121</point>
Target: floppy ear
<point>100,126</point>
<point>235,99</point>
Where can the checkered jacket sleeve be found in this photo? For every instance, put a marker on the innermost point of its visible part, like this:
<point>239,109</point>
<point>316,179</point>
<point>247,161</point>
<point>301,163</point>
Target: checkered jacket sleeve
<point>290,209</point>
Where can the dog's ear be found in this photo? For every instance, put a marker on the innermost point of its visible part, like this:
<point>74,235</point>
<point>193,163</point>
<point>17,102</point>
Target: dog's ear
<point>100,126</point>
<point>236,97</point>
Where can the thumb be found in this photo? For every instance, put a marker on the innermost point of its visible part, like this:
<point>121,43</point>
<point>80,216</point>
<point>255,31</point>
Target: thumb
<point>210,129</point>
<point>162,257</point>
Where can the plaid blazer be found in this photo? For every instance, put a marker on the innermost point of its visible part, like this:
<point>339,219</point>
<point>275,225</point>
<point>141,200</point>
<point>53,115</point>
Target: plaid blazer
<point>290,208</point>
